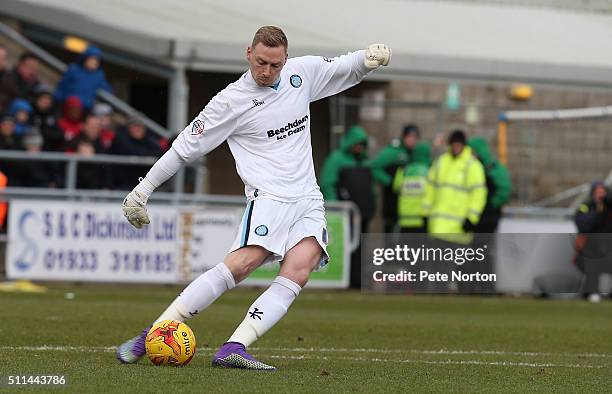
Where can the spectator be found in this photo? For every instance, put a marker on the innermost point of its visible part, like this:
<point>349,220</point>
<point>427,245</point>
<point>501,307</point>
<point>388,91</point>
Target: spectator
<point>83,78</point>
<point>3,203</point>
<point>498,186</point>
<point>34,173</point>
<point>19,82</point>
<point>409,184</point>
<point>91,175</point>
<point>594,249</point>
<point>345,176</point>
<point>9,141</point>
<point>455,197</point>
<point>71,121</point>
<point>32,142</point>
<point>2,62</point>
<point>107,135</point>
<point>389,159</point>
<point>21,110</point>
<point>90,132</point>
<point>456,192</point>
<point>133,140</point>
<point>45,119</point>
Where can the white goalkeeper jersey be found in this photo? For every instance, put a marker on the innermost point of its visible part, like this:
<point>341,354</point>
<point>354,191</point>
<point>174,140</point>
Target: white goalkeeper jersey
<point>268,128</point>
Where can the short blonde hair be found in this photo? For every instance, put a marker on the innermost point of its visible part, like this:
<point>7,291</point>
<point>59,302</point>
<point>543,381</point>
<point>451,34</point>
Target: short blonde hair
<point>270,36</point>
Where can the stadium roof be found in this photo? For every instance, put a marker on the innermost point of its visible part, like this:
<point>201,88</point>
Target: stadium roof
<point>441,39</point>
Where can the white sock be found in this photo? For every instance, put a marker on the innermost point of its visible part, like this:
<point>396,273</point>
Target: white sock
<point>199,294</point>
<point>266,311</point>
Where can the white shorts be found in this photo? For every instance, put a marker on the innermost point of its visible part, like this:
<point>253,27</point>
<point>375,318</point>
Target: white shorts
<point>278,226</point>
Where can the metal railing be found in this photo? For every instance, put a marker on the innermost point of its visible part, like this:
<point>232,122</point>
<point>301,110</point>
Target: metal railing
<point>58,65</point>
<point>73,160</point>
<point>578,193</point>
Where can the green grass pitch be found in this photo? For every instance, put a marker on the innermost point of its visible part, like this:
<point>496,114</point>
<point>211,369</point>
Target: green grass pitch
<point>330,341</point>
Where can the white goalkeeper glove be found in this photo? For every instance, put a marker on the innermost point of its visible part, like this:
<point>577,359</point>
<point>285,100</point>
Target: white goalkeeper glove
<point>377,55</point>
<point>135,209</point>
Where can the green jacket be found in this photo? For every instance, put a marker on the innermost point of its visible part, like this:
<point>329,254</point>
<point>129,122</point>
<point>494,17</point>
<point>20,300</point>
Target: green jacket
<point>394,154</point>
<point>456,191</point>
<point>342,158</point>
<point>498,178</point>
<point>410,182</point>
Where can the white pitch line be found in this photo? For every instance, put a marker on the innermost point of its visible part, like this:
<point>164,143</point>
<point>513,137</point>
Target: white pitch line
<point>434,352</point>
<point>57,348</point>
<point>328,350</point>
<point>109,349</point>
<point>445,362</point>
<point>325,358</point>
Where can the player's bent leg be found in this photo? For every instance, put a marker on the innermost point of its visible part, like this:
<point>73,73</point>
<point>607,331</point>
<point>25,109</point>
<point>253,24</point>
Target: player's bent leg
<point>199,294</point>
<point>270,307</point>
<point>243,261</point>
<point>210,285</point>
<point>301,260</point>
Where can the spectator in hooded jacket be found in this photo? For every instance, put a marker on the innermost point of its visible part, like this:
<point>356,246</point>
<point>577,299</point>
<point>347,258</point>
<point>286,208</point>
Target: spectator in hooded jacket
<point>71,121</point>
<point>83,78</point>
<point>20,82</point>
<point>45,119</point>
<point>346,174</point>
<point>21,110</point>
<point>499,186</point>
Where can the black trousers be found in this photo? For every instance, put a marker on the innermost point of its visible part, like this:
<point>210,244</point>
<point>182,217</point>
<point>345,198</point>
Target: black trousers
<point>593,268</point>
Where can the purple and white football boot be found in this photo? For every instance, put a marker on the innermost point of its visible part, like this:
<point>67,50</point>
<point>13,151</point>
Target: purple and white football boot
<point>234,355</point>
<point>132,350</point>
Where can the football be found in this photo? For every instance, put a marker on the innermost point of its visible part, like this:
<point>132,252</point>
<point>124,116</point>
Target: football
<point>170,342</point>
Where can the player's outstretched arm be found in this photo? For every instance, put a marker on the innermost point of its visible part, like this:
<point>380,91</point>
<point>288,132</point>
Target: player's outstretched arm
<point>135,203</point>
<point>331,76</point>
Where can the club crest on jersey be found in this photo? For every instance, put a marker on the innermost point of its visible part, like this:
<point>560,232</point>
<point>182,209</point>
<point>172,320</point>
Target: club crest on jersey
<point>295,80</point>
<point>261,230</point>
<point>198,127</point>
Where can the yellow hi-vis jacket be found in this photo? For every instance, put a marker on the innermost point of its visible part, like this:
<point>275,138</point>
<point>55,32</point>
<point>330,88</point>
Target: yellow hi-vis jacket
<point>456,190</point>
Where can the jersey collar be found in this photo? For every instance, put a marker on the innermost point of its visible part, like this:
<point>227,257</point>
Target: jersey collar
<point>251,81</point>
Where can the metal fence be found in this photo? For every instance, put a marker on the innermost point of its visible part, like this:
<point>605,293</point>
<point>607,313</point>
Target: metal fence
<point>72,162</point>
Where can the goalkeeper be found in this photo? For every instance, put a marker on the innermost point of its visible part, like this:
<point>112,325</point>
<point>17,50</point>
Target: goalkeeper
<point>264,116</point>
